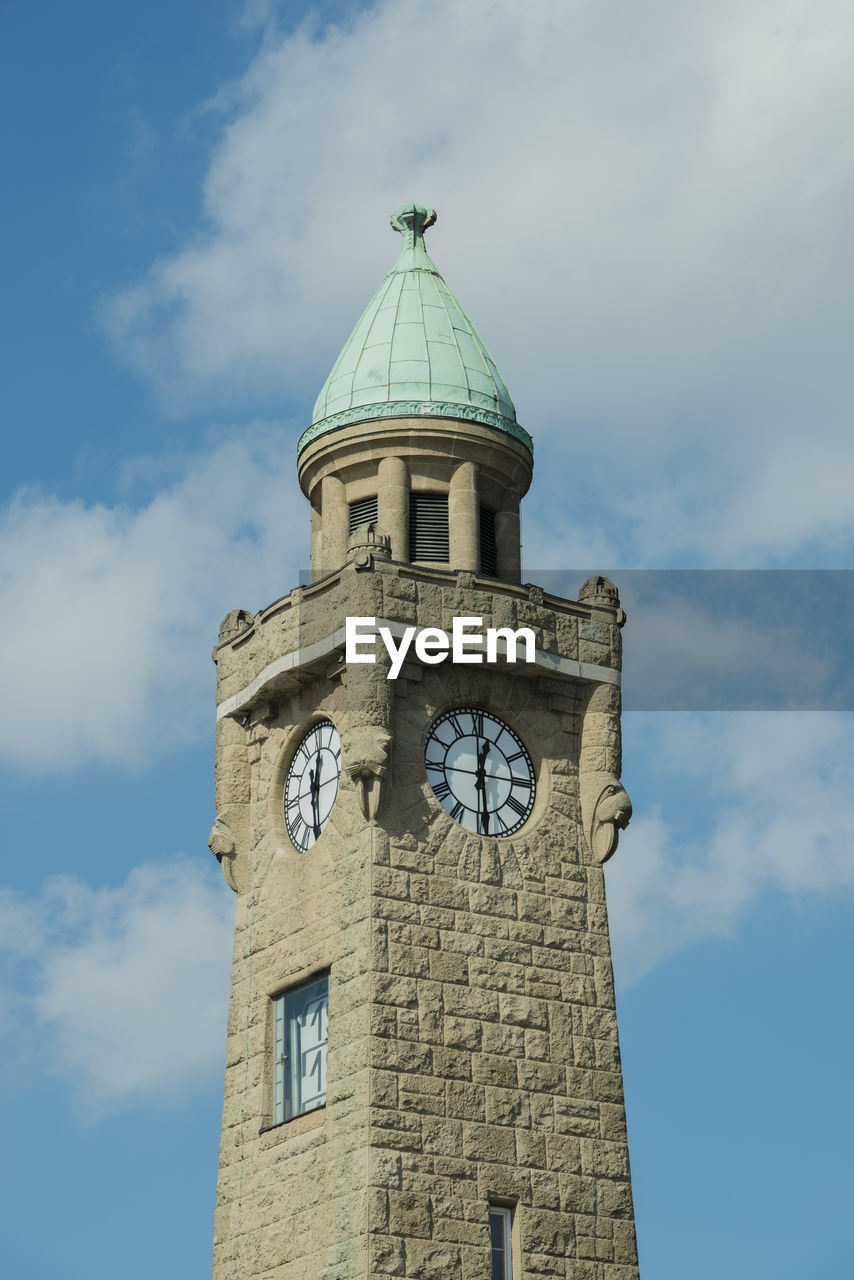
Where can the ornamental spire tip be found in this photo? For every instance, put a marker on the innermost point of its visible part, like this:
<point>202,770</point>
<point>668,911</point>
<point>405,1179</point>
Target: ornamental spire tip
<point>412,220</point>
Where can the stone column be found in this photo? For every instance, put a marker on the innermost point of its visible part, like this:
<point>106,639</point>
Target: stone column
<point>335,515</point>
<point>393,505</point>
<point>316,545</point>
<point>508,537</point>
<point>464,518</point>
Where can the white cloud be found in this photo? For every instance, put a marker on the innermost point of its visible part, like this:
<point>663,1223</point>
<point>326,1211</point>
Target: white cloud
<point>127,987</point>
<point>695,654</point>
<point>644,208</point>
<point>111,612</point>
<point>753,805</point>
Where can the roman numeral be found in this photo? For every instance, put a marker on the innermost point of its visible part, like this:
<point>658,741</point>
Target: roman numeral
<point>513,803</point>
<point>441,789</point>
<point>458,810</point>
<point>300,829</point>
<point>456,727</point>
<point>436,765</point>
<point>477,723</point>
<point>520,755</point>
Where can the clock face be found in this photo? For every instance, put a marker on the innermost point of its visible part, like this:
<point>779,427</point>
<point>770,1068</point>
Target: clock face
<point>480,772</point>
<point>312,784</point>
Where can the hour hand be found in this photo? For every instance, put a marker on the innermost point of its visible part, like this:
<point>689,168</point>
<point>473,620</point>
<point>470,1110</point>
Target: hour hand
<point>314,783</point>
<point>484,811</point>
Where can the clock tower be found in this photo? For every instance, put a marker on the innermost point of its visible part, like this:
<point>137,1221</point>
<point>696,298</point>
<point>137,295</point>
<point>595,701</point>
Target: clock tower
<point>423,1073</point>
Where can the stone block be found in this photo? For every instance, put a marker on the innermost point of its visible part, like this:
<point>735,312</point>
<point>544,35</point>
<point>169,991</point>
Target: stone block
<point>462,1033</point>
<point>449,966</point>
<point>544,1076</point>
<point>387,1256</point>
<point>410,1215</point>
<point>563,1153</point>
<point>491,1144</point>
<point>452,1064</point>
<point>428,1261</point>
<point>507,1106</point>
<point>504,1040</point>
<point>467,1101</point>
<point>530,1149</point>
<point>487,1068</point>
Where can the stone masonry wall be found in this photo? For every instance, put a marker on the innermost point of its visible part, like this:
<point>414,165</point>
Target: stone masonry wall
<point>292,1199</point>
<point>494,1052</point>
<point>473,1041</point>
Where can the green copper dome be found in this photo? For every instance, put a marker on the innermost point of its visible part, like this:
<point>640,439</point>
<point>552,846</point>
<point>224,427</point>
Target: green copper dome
<point>414,352</point>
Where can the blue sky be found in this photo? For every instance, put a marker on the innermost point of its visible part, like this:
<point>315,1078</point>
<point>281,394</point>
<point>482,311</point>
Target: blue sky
<point>646,211</point>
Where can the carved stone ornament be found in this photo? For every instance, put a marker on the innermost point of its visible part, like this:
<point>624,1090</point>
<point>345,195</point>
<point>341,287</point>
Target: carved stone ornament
<point>416,409</point>
<point>599,590</point>
<point>235,866</point>
<point>234,624</point>
<point>366,760</point>
<point>606,810</point>
<point>367,544</point>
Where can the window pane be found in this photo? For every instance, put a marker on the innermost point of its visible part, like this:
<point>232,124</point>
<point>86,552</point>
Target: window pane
<point>306,1034</point>
<point>499,1236</point>
<point>279,1061</point>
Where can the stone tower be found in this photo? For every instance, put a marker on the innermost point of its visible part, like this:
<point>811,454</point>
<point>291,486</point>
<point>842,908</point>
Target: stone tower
<point>423,1074</point>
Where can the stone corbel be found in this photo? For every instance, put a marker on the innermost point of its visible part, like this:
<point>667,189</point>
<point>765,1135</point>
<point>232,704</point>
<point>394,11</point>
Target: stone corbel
<point>229,837</point>
<point>235,865</point>
<point>605,805</point>
<point>366,740</point>
<point>366,752</point>
<point>605,811</point>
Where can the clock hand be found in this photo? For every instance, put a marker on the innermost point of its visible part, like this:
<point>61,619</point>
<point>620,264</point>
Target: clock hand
<point>480,784</point>
<point>314,782</point>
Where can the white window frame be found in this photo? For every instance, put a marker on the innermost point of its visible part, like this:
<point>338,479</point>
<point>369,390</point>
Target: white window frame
<point>504,1216</point>
<point>300,1014</point>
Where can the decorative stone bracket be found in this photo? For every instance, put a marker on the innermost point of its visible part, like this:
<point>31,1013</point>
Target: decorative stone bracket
<point>366,752</point>
<point>605,810</point>
<point>236,867</point>
<point>605,805</point>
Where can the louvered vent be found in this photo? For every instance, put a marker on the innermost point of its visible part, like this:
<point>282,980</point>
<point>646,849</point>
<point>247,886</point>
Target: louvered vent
<point>428,527</point>
<point>488,549</point>
<point>362,512</point>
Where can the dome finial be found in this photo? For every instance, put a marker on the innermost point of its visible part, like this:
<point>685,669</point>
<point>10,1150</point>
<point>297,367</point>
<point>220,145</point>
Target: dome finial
<point>412,220</point>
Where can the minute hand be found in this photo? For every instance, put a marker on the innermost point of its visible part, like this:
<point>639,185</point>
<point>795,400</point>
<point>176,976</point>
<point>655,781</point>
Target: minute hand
<point>480,785</point>
<point>314,778</point>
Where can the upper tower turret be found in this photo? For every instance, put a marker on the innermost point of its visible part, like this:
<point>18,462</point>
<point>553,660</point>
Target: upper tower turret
<point>415,432</point>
